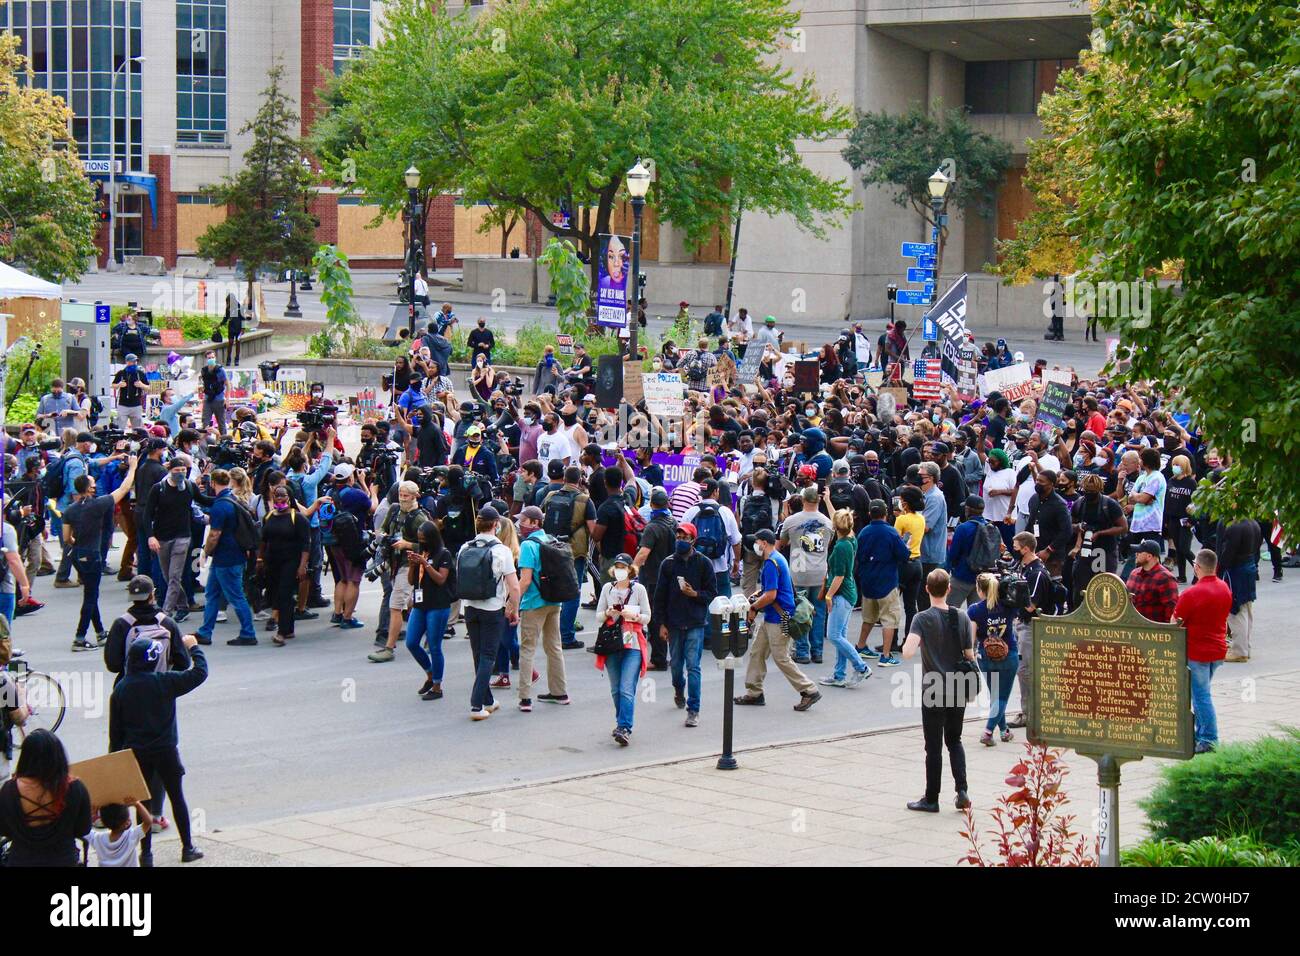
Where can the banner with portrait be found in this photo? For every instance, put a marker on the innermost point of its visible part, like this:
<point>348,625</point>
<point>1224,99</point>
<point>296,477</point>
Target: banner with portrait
<point>612,280</point>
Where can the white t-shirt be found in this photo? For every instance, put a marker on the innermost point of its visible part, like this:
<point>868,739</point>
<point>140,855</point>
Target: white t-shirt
<point>1026,493</point>
<point>503,563</point>
<point>9,538</point>
<point>740,326</point>
<point>997,506</point>
<point>557,447</point>
<point>119,852</point>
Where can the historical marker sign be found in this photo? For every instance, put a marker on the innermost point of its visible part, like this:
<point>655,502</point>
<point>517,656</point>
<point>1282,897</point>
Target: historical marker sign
<point>1108,681</point>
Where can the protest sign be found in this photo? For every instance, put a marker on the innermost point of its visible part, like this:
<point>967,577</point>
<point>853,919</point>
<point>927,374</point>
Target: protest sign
<point>112,778</point>
<point>632,391</point>
<point>1014,382</point>
<point>1063,375</point>
<point>665,394</point>
<point>1053,408</point>
<point>611,282</point>
<point>807,378</point>
<point>564,344</point>
<point>749,363</point>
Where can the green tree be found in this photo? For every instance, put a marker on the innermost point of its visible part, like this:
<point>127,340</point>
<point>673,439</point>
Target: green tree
<point>530,106</point>
<point>267,221</point>
<point>47,210</point>
<point>569,283</point>
<point>902,151</point>
<point>344,327</point>
<point>1198,146</point>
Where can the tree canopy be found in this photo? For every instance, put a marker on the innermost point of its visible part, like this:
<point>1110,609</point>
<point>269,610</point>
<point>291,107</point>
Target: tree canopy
<point>47,205</point>
<point>268,222</point>
<point>533,106</point>
<point>1183,143</point>
<point>902,151</point>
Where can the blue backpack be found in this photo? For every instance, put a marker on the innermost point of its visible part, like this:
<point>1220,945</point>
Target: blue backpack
<point>710,532</point>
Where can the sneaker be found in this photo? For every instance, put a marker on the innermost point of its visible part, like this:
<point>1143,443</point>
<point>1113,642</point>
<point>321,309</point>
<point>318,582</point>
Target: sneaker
<point>573,646</point>
<point>749,700</point>
<point>553,698</point>
<point>433,693</point>
<point>182,614</point>
<point>160,823</point>
<point>101,638</point>
<point>817,659</point>
<point>680,701</point>
<point>623,736</point>
<point>803,660</point>
<point>526,705</point>
<point>692,719</point>
<point>807,700</point>
<point>336,619</point>
<point>578,626</point>
<point>1204,747</point>
<point>502,680</point>
<point>30,606</point>
<point>833,681</point>
<point>262,615</point>
<point>203,641</point>
<point>351,624</point>
<point>480,714</point>
<point>890,661</point>
<point>381,656</point>
<point>1019,721</point>
<point>1007,736</point>
<point>302,616</point>
<point>65,583</point>
<point>924,806</point>
<point>196,606</point>
<point>450,632</point>
<point>270,624</point>
<point>319,601</point>
<point>81,644</point>
<point>493,707</point>
<point>221,617</point>
<point>190,855</point>
<point>425,687</point>
<point>242,642</point>
<point>986,739</point>
<point>857,677</point>
<point>868,653</point>
<point>591,606</point>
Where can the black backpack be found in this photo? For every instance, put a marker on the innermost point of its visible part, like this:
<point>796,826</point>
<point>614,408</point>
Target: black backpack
<point>247,533</point>
<point>986,547</point>
<point>557,580</point>
<point>841,490</point>
<point>347,535</point>
<point>475,579</point>
<point>52,481</point>
<point>755,516</point>
<point>558,522</point>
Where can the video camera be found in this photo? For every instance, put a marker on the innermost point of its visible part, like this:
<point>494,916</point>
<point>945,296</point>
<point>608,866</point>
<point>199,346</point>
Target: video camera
<point>318,419</point>
<point>109,438</point>
<point>1013,586</point>
<point>379,554</point>
<point>232,454</point>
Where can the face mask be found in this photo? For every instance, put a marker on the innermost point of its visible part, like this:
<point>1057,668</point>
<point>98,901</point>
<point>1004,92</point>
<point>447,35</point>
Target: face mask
<point>281,506</point>
<point>211,362</point>
<point>1092,495</point>
<point>873,468</point>
<point>788,383</point>
<point>1177,470</point>
<point>620,574</point>
<point>529,420</point>
<point>570,419</point>
<point>810,411</point>
<point>1213,462</point>
<point>177,478</point>
<point>758,549</point>
<point>482,325</point>
<point>475,441</point>
<point>1078,461</point>
<point>683,548</point>
<point>936,418</point>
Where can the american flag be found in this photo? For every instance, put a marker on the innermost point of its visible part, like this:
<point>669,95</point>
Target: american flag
<point>927,379</point>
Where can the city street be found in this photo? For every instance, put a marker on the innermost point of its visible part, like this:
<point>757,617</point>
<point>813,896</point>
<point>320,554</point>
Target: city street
<point>314,726</point>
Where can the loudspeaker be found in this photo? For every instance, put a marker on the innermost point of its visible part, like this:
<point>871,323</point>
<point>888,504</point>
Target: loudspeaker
<point>609,381</point>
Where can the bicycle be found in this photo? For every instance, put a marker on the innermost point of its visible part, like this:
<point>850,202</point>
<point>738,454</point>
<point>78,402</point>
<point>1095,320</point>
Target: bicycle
<point>41,694</point>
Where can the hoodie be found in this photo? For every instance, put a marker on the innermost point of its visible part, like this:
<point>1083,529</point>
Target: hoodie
<point>142,709</point>
<point>814,452</point>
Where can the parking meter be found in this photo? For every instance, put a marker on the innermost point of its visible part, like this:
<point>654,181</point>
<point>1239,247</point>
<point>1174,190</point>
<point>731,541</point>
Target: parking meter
<point>739,637</point>
<point>720,621</point>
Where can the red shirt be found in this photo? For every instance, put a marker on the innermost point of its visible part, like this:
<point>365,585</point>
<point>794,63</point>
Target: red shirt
<point>1096,423</point>
<point>1203,608</point>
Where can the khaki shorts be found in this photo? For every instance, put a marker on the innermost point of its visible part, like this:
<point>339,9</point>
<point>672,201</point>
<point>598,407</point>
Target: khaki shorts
<point>886,611</point>
<point>403,591</point>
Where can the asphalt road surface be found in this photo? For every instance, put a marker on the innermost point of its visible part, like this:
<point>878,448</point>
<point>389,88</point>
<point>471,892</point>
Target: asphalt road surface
<point>314,726</point>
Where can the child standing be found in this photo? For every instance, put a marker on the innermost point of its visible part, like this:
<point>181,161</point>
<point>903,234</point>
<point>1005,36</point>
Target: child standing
<point>117,845</point>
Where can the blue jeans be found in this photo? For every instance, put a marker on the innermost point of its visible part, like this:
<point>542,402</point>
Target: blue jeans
<point>485,630</point>
<point>723,581</point>
<point>837,632</point>
<point>685,647</point>
<point>569,609</point>
<point>429,626</point>
<point>1206,721</point>
<point>999,677</point>
<point>811,644</point>
<point>227,582</point>
<point>146,562</point>
<point>624,672</point>
<point>7,604</point>
<point>90,568</point>
<point>508,649</point>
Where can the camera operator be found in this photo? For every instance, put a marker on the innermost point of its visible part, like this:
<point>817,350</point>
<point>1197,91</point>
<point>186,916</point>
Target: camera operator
<point>261,461</point>
<point>303,487</point>
<point>1039,601</point>
<point>474,457</point>
<point>1099,526</point>
<point>151,471</point>
<point>401,526</point>
<point>25,510</point>
<point>168,528</point>
<point>376,459</point>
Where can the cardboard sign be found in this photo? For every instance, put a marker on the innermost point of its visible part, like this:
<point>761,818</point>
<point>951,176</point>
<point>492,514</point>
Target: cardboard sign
<point>750,362</point>
<point>112,778</point>
<point>1014,382</point>
<point>1064,376</point>
<point>886,407</point>
<point>565,344</point>
<point>665,394</point>
<point>633,391</point>
<point>899,395</point>
<point>807,377</point>
<point>171,338</point>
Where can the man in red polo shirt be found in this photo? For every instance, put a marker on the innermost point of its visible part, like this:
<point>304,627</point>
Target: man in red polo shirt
<point>1203,609</point>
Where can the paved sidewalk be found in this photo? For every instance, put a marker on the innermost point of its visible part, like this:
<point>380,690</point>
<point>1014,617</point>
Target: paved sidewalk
<point>838,801</point>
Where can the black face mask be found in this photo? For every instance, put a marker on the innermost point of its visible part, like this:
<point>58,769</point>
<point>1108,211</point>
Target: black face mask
<point>1092,495</point>
<point>570,419</point>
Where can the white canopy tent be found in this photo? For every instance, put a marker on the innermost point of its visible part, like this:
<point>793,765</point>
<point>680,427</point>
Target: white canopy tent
<point>19,285</point>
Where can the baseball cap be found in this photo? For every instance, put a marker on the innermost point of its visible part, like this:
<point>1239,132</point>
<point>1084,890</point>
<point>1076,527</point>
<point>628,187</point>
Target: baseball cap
<point>687,528</point>
<point>842,468</point>
<point>624,558</point>
<point>488,513</point>
<point>28,429</point>
<point>1149,546</point>
<point>770,320</point>
<point>141,586</point>
<point>131,357</point>
<point>974,503</point>
<point>532,513</point>
<point>85,436</point>
<point>659,498</point>
<point>343,471</point>
<point>940,448</point>
<point>589,397</point>
<point>765,535</point>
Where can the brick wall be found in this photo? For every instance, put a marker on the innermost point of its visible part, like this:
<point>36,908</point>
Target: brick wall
<point>317,54</point>
<point>160,240</point>
<point>441,228</point>
<point>325,206</point>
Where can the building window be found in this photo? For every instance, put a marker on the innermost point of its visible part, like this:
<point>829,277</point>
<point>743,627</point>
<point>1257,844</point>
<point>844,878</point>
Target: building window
<point>201,71</point>
<point>1011,86</point>
<point>75,48</point>
<point>351,31</point>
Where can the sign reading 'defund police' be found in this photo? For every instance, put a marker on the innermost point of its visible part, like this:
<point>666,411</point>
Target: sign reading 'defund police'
<point>1107,680</point>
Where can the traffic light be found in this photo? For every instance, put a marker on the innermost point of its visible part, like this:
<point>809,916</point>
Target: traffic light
<point>101,203</point>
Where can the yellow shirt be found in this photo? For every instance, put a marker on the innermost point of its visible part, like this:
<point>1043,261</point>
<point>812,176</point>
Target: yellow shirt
<point>913,524</point>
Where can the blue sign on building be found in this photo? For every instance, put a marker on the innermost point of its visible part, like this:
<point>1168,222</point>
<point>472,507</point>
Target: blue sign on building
<point>920,275</point>
<point>914,249</point>
<point>913,297</point>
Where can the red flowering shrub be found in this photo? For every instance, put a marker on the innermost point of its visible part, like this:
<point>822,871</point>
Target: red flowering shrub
<point>1030,828</point>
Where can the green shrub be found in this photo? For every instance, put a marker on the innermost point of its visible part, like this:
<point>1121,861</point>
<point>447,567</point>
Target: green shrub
<point>1238,850</point>
<point>44,370</point>
<point>1240,788</point>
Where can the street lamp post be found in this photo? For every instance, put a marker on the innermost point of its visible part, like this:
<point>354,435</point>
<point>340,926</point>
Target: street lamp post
<point>638,183</point>
<point>937,185</point>
<point>292,310</point>
<point>415,251</point>
<point>112,155</point>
